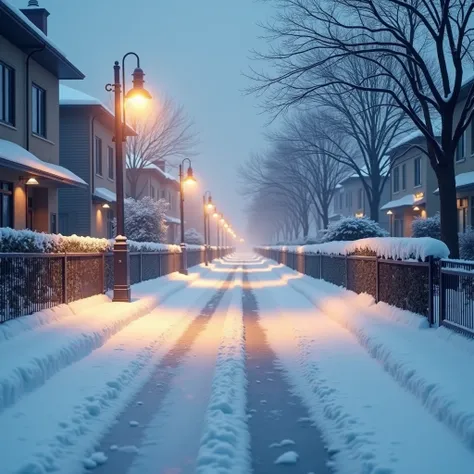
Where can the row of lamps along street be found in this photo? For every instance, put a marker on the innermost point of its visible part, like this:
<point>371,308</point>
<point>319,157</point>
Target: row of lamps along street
<point>138,97</point>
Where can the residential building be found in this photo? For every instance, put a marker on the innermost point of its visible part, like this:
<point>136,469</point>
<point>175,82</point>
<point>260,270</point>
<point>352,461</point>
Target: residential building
<point>155,182</point>
<point>30,69</point>
<point>412,186</point>
<point>88,149</point>
<point>350,200</point>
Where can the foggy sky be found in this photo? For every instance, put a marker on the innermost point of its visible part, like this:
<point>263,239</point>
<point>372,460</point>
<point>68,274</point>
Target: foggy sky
<point>192,50</point>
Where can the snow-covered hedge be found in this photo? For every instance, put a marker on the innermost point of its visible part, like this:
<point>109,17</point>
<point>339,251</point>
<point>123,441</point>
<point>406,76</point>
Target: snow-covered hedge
<point>429,227</point>
<point>36,242</point>
<point>353,228</point>
<point>466,244</point>
<point>398,248</point>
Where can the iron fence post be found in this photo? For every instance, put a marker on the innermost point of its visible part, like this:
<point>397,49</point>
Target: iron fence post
<point>64,281</point>
<point>103,274</point>
<point>346,276</point>
<point>430,290</point>
<point>442,295</point>
<point>141,266</point>
<point>320,266</point>
<point>377,279</point>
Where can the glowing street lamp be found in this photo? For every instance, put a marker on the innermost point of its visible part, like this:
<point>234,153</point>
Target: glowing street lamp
<point>136,95</point>
<point>183,180</point>
<point>207,208</point>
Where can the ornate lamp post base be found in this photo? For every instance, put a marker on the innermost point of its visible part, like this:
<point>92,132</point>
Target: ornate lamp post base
<point>121,271</point>
<point>183,260</point>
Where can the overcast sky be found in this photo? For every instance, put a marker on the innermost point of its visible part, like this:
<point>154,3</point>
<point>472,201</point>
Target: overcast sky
<point>194,51</point>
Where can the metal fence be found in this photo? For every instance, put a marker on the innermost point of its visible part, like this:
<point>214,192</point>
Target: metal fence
<point>441,290</point>
<point>32,282</point>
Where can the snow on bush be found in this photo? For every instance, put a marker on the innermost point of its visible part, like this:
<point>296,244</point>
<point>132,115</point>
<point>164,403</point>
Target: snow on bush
<point>27,241</point>
<point>193,237</point>
<point>466,244</point>
<point>429,227</point>
<point>145,219</point>
<point>353,228</point>
<point>397,248</point>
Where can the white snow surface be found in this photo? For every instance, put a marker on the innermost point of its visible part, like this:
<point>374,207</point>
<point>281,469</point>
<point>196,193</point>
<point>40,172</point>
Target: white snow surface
<point>369,416</point>
<point>290,457</point>
<point>462,180</point>
<point>399,248</point>
<point>225,445</point>
<point>57,426</point>
<point>172,220</point>
<point>408,200</point>
<point>14,153</point>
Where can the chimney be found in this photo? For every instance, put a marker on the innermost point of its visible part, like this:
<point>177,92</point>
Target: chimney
<point>37,15</point>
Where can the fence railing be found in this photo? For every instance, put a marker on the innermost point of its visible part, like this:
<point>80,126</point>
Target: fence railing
<point>441,290</point>
<point>31,282</point>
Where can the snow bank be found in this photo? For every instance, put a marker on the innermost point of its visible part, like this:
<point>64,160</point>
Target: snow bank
<point>430,366</point>
<point>225,445</point>
<point>17,326</point>
<point>397,248</point>
<point>42,353</point>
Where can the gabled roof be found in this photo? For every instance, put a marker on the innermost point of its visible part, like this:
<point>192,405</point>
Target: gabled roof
<point>69,97</point>
<point>20,31</point>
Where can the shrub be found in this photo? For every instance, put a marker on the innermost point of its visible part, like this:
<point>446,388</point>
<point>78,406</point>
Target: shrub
<point>466,244</point>
<point>429,227</point>
<point>353,228</point>
<point>193,237</point>
<point>145,219</point>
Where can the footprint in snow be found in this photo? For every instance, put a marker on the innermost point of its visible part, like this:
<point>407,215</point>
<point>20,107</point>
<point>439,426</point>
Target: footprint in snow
<point>133,423</point>
<point>285,442</point>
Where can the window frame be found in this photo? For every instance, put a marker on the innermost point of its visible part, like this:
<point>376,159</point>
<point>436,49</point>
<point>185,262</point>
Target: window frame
<point>396,180</point>
<point>11,204</point>
<point>110,163</point>
<point>38,102</point>
<point>5,117</point>
<point>404,177</point>
<point>98,156</point>
<point>415,161</point>
<point>460,156</point>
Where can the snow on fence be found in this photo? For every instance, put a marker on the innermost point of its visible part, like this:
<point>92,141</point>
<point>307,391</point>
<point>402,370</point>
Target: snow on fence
<point>411,274</point>
<point>31,282</point>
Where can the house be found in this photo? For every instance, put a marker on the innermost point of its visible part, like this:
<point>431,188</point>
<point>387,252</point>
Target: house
<point>154,181</point>
<point>412,186</point>
<point>350,200</point>
<point>30,69</point>
<point>88,149</point>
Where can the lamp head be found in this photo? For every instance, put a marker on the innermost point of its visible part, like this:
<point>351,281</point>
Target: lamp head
<point>138,95</point>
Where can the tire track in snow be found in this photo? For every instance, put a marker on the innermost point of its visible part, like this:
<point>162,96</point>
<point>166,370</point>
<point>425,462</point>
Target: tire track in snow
<point>278,420</point>
<point>131,445</point>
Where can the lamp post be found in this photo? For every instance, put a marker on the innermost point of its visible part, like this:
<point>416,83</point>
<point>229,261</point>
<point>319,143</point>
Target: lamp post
<point>183,267</point>
<point>137,94</point>
<point>206,207</point>
<point>216,216</point>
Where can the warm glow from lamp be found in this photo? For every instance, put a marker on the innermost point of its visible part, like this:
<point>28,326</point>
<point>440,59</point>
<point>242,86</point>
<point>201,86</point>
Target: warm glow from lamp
<point>190,179</point>
<point>242,241</point>
<point>226,225</point>
<point>105,206</point>
<point>416,208</point>
<point>216,215</point>
<point>32,182</point>
<point>138,97</point>
<point>210,206</point>
<point>389,213</point>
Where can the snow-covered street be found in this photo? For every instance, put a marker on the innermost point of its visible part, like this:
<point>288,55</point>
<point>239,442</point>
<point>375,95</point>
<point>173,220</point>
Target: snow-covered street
<point>245,366</point>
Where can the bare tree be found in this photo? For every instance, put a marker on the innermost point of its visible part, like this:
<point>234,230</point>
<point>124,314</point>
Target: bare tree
<point>161,137</point>
<point>421,47</point>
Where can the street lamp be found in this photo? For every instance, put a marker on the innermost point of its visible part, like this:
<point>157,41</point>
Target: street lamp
<point>136,95</point>
<point>189,179</point>
<point>206,207</point>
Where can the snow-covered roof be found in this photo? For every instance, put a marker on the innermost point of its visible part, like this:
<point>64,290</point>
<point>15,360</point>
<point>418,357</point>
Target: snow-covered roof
<point>408,200</point>
<point>414,135</point>
<point>70,71</point>
<point>17,157</point>
<point>105,194</point>
<point>152,166</point>
<point>463,180</point>
<point>172,220</point>
<point>363,170</point>
<point>69,96</point>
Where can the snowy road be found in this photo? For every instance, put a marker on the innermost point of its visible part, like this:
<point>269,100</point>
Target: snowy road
<point>243,367</point>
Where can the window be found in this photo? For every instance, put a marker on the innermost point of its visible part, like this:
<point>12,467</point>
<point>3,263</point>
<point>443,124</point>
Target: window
<point>340,200</point>
<point>462,205</point>
<point>461,149</point>
<point>38,111</point>
<point>98,156</point>
<point>359,199</point>
<point>110,159</point>
<point>398,227</point>
<point>349,199</point>
<point>7,94</point>
<point>152,192</point>
<point>396,179</point>
<point>162,194</point>
<point>417,172</point>
<point>6,204</point>
<point>404,176</point>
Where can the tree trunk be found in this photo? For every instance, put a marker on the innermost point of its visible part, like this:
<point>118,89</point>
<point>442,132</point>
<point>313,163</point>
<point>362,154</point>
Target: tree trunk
<point>448,207</point>
<point>375,205</point>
